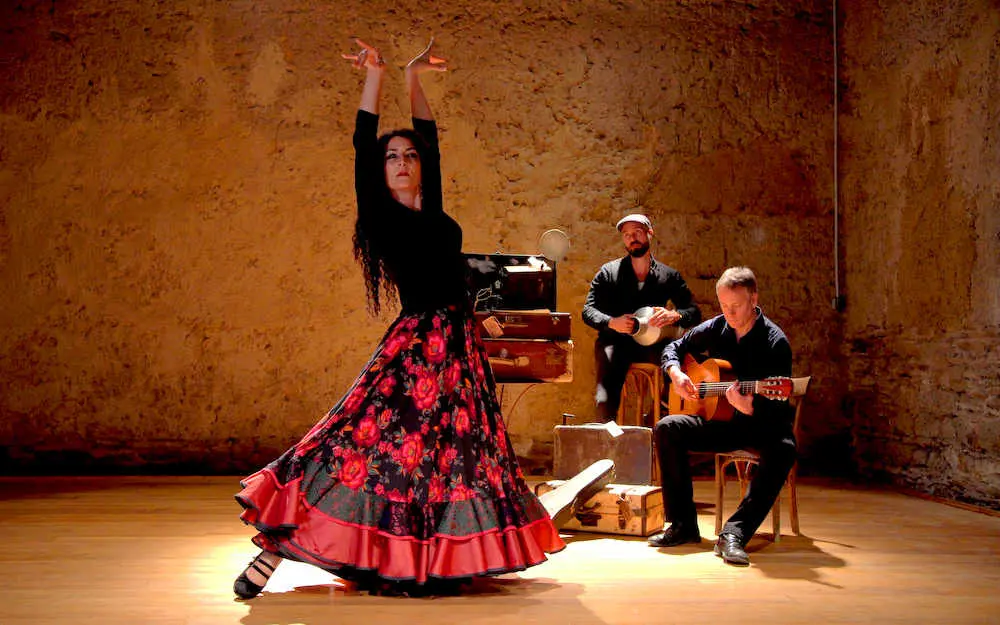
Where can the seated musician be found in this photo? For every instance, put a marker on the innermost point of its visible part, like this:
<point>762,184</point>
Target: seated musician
<point>756,348</point>
<point>619,289</point>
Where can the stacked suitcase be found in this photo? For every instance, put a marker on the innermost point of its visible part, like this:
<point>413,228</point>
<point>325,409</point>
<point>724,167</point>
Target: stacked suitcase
<point>632,505</point>
<point>527,340</point>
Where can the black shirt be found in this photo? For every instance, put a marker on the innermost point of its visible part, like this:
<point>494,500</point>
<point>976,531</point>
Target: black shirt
<point>763,352</point>
<point>615,291</point>
<point>422,248</point>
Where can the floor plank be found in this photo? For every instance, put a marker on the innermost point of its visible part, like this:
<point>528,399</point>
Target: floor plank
<point>165,550</point>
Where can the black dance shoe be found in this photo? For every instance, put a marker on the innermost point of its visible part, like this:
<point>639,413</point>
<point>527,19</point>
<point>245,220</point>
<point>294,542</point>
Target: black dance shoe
<point>246,589</point>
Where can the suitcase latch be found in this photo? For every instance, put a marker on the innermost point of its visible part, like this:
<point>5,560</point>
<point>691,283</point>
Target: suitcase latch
<point>624,511</point>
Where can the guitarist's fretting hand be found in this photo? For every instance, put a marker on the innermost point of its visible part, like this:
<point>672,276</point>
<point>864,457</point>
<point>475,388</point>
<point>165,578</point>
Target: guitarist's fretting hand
<point>743,403</point>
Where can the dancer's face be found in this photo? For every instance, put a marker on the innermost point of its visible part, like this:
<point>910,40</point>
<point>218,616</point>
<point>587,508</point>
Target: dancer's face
<point>402,165</point>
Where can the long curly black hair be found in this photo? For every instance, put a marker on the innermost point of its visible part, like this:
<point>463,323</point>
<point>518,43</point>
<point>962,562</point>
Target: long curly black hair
<point>369,247</point>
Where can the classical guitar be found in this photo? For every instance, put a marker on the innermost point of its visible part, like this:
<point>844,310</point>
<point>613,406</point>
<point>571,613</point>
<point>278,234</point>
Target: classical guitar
<point>712,377</point>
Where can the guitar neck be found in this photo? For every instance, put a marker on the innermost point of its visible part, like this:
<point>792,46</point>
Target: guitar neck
<point>718,389</point>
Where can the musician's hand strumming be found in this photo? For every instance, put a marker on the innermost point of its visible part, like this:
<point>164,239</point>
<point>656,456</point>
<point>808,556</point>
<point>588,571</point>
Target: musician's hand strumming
<point>683,384</point>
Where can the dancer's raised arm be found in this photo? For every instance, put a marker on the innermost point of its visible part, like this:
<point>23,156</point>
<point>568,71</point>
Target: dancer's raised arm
<point>423,62</point>
<point>370,59</point>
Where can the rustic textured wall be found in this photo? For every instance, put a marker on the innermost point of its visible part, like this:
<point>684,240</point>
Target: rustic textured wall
<point>922,242</point>
<point>176,193</point>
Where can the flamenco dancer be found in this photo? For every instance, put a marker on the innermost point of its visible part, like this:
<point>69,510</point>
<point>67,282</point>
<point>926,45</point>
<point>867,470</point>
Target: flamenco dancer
<point>409,485</point>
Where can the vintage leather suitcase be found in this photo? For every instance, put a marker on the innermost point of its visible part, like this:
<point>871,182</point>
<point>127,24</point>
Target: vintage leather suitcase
<point>526,324</point>
<point>577,446</point>
<point>624,509</point>
<point>531,360</point>
<point>512,281</point>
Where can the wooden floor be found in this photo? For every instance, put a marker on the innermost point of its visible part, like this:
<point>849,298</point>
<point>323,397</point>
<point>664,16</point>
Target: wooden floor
<point>150,550</point>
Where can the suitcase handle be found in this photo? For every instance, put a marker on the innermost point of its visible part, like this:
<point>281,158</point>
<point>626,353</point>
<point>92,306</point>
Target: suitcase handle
<point>520,361</point>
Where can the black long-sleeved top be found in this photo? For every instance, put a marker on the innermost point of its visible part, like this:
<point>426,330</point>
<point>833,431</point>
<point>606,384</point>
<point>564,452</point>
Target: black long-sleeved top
<point>763,352</point>
<point>422,248</point>
<point>615,291</point>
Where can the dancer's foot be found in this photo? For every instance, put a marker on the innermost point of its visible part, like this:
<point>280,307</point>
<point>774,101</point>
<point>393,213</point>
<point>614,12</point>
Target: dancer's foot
<point>253,579</point>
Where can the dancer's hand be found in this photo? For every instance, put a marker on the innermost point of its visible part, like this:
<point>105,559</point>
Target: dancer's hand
<point>425,61</point>
<point>369,57</point>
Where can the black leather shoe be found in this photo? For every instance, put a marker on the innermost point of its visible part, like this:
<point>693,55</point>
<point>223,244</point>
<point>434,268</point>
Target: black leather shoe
<point>246,589</point>
<point>730,549</point>
<point>675,535</point>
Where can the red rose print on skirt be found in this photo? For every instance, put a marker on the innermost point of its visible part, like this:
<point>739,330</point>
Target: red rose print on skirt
<point>435,347</point>
<point>435,490</point>
<point>386,386</point>
<point>367,432</point>
<point>445,459</point>
<point>460,492</point>
<point>452,376</point>
<point>354,470</point>
<point>462,421</point>
<point>425,390</point>
<point>411,452</point>
<point>395,343</point>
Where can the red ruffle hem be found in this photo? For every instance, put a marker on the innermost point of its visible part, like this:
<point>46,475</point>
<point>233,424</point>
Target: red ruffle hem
<point>298,531</point>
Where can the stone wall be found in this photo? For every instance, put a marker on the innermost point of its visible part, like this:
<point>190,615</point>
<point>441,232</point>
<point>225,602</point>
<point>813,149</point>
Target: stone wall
<point>177,200</point>
<point>921,197</point>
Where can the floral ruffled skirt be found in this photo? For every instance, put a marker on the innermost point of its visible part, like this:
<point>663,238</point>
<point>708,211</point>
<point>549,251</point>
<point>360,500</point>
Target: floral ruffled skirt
<point>411,477</point>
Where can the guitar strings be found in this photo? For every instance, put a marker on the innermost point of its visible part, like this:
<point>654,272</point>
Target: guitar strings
<point>707,388</point>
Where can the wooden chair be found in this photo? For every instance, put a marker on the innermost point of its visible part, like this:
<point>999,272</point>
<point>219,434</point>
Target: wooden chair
<point>640,403</point>
<point>742,460</point>
<point>641,393</point>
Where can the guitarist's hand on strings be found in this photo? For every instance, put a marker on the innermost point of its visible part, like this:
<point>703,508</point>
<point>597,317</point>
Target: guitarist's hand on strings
<point>743,403</point>
<point>683,385</point>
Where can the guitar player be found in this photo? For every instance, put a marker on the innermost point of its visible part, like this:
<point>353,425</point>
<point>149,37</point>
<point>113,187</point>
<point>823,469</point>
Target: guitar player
<point>619,289</point>
<point>756,348</point>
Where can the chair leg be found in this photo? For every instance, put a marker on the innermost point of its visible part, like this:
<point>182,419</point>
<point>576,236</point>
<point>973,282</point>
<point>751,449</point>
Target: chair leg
<point>629,391</point>
<point>720,491</point>
<point>657,392</point>
<point>655,463</point>
<point>776,518</point>
<point>743,473</point>
<point>793,511</point>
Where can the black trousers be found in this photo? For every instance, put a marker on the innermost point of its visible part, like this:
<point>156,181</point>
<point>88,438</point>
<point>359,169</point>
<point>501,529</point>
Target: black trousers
<point>613,359</point>
<point>677,435</point>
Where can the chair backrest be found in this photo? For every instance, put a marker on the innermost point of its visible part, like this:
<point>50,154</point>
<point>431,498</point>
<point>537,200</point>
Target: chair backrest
<point>797,398</point>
